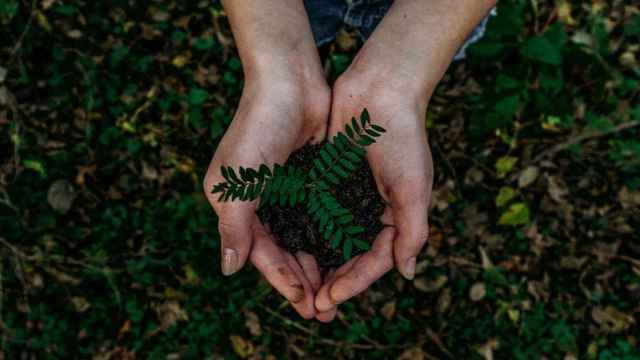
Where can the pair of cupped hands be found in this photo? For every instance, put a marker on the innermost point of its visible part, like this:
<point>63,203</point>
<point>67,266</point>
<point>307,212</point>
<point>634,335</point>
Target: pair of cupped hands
<point>280,112</point>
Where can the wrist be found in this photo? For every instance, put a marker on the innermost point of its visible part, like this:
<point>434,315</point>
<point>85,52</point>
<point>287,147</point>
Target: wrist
<point>283,67</point>
<point>388,82</point>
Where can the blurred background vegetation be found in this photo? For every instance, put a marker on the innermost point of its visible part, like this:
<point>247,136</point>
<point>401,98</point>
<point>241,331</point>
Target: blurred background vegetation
<point>111,110</point>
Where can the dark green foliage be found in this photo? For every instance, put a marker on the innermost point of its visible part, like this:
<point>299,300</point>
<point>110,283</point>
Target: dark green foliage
<point>290,186</point>
<point>140,244</point>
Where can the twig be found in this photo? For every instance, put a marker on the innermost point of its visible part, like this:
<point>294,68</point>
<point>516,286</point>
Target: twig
<point>437,148</point>
<point>576,140</point>
<point>286,320</point>
<point>39,259</point>
<point>626,258</point>
<point>18,44</point>
<point>306,330</point>
<point>5,200</point>
<point>436,339</point>
<point>19,272</point>
<point>584,137</point>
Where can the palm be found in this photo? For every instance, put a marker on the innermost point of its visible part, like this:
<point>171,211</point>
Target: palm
<point>402,167</point>
<point>265,130</point>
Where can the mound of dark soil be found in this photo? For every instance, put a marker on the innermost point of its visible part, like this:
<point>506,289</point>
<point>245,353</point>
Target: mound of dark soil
<point>296,230</point>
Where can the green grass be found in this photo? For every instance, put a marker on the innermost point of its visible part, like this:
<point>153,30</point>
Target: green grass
<point>126,104</point>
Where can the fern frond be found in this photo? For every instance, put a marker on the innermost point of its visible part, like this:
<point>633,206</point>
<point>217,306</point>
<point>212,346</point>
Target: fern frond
<point>288,185</point>
<point>285,185</point>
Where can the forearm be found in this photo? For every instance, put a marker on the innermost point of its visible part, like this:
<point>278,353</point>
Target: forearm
<point>416,41</point>
<point>273,37</point>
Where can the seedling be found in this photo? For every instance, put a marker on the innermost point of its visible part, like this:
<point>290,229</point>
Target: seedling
<point>287,185</point>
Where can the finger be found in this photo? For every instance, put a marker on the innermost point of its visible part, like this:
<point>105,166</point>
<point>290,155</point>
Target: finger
<point>369,268</point>
<point>270,260</point>
<point>235,227</point>
<point>327,316</point>
<point>412,230</point>
<point>310,269</point>
<point>323,299</point>
<point>305,307</point>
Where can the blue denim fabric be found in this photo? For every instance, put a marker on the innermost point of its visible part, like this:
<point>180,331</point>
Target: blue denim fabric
<point>328,16</point>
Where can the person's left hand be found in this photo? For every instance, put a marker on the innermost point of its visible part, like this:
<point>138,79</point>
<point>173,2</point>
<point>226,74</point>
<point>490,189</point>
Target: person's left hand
<point>403,170</point>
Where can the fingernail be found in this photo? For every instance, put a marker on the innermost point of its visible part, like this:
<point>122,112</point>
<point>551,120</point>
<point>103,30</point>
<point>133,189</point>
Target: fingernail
<point>229,261</point>
<point>335,298</point>
<point>410,268</point>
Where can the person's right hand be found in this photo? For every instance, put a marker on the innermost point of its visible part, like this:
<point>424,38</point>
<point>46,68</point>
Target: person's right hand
<point>274,118</point>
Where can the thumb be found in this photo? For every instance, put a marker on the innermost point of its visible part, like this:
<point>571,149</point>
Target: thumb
<point>412,230</point>
<point>235,228</point>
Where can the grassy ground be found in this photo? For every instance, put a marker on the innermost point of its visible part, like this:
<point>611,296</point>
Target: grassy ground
<point>110,112</point>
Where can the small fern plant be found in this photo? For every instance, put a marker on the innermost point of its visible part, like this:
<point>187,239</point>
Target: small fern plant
<point>288,185</point>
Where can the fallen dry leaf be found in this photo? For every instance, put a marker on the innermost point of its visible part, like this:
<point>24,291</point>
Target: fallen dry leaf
<point>61,196</point>
<point>252,322</point>
<point>243,348</point>
<point>388,310</point>
<point>425,284</point>
<point>528,176</point>
<point>477,291</point>
<point>486,349</point>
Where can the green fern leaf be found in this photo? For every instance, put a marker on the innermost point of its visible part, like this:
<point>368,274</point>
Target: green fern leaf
<point>339,212</point>
<point>361,244</point>
<point>347,247</point>
<point>378,128</point>
<point>328,230</point>
<point>321,169</point>
<point>326,157</point>
<point>349,131</point>
<point>340,143</point>
<point>313,204</point>
<point>278,170</point>
<point>353,230</point>
<point>345,219</point>
<point>252,174</point>
<point>293,198</point>
<point>264,171</point>
<point>338,170</point>
<point>332,178</point>
<point>331,149</point>
<point>219,187</point>
<point>353,156</point>
<point>355,126</point>
<point>243,174</point>
<point>346,164</point>
<point>372,133</point>
<point>232,175</point>
<point>364,117</point>
<point>322,186</point>
<point>365,140</point>
<point>324,218</point>
<point>337,238</point>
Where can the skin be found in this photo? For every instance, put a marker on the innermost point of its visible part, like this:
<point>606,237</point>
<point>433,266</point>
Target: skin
<point>286,102</point>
